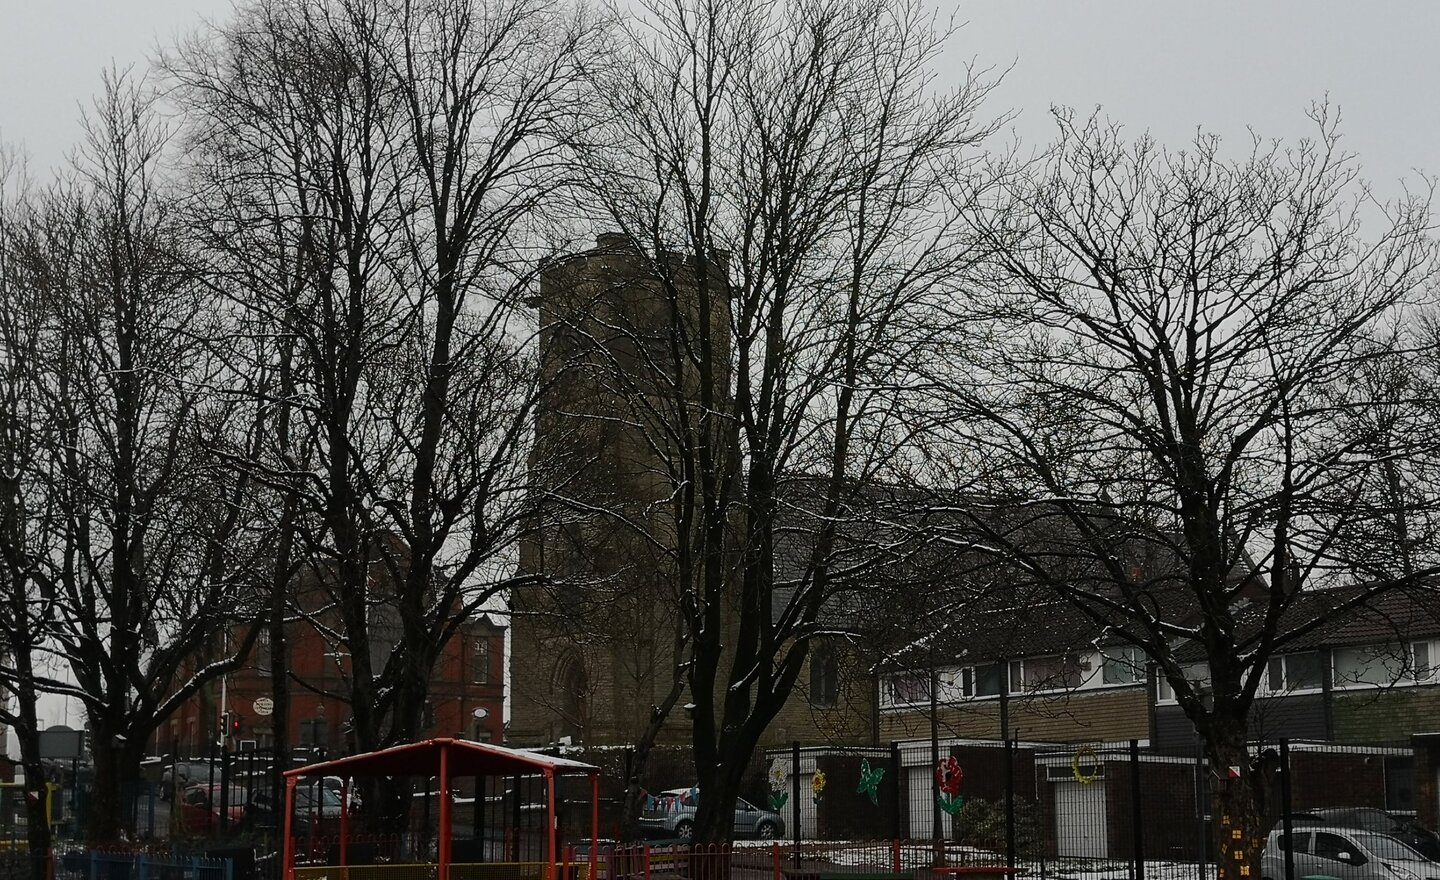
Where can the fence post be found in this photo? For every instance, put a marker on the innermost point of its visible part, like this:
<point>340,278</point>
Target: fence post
<point>1137,809</point>
<point>897,773</point>
<point>1009,803</point>
<point>224,788</point>
<point>515,821</point>
<point>1286,821</point>
<point>795,794</point>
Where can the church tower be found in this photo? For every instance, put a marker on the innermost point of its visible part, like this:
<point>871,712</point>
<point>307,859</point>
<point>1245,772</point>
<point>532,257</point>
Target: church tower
<point>594,633</point>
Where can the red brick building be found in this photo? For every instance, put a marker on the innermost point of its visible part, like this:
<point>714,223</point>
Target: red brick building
<point>466,696</point>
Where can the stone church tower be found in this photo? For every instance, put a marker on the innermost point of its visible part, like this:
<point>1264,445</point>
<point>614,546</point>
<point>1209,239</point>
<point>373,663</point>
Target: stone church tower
<point>593,640</point>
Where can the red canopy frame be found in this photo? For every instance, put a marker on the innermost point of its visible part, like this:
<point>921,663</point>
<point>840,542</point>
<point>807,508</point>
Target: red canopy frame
<point>448,758</point>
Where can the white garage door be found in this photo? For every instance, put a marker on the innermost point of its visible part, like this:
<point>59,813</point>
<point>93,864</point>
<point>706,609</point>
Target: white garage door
<point>1080,820</point>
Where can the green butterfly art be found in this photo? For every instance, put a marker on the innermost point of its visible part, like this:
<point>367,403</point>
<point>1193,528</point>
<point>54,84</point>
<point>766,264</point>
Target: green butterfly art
<point>870,781</point>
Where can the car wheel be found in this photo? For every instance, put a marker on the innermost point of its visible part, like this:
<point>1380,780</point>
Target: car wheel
<point>684,830</point>
<point>766,831</point>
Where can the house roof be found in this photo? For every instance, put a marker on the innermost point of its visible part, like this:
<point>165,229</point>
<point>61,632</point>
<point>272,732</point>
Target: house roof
<point>464,758</point>
<point>1388,618</point>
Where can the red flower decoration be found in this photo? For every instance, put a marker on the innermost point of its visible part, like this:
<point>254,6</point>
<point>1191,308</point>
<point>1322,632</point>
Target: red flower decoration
<point>948,776</point>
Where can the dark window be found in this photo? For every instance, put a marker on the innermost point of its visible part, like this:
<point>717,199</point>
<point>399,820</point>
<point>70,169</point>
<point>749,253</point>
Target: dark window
<point>989,680</point>
<point>480,662</point>
<point>824,677</point>
<point>1330,846</point>
<point>1399,787</point>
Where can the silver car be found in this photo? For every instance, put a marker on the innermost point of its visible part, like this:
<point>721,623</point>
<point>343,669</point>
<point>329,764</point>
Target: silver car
<point>672,814</point>
<point>1346,853</point>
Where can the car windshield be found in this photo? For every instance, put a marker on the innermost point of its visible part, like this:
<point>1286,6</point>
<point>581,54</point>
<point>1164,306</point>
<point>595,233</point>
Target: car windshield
<point>1386,847</point>
<point>306,797</point>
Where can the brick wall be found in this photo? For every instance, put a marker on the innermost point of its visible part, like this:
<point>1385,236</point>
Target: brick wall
<point>458,687</point>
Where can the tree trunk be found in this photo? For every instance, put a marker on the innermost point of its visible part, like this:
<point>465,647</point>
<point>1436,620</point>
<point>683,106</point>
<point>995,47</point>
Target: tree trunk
<point>1239,794</point>
<point>27,734</point>
<point>116,766</point>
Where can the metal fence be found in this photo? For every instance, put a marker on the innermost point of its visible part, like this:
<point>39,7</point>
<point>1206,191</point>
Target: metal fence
<point>1104,810</point>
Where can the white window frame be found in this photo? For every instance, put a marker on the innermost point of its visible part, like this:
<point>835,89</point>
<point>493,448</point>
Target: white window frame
<point>1019,671</point>
<point>1419,670</point>
<point>1268,686</point>
<point>1197,673</point>
<point>890,697</point>
<point>1125,656</point>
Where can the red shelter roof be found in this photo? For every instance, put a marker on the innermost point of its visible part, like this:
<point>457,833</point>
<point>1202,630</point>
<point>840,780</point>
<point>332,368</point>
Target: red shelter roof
<point>465,758</point>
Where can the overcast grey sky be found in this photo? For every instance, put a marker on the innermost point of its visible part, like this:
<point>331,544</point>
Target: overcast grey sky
<point>1163,66</point>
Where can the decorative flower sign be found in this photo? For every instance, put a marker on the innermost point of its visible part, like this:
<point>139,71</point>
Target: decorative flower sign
<point>870,781</point>
<point>817,785</point>
<point>948,777</point>
<point>778,777</point>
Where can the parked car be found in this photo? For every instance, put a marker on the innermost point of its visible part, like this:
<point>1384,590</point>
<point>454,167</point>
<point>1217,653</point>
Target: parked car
<point>177,776</point>
<point>672,814</point>
<point>1405,828</point>
<point>200,808</point>
<point>313,804</point>
<point>1345,853</point>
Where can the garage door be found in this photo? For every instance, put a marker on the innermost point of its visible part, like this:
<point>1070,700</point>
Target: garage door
<point>1080,820</point>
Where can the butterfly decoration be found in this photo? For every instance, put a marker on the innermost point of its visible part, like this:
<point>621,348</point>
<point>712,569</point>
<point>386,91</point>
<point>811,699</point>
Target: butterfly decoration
<point>870,781</point>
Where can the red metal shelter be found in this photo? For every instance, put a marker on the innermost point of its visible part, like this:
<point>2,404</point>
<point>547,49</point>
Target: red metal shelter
<point>447,759</point>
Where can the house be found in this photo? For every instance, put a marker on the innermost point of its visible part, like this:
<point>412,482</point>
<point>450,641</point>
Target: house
<point>466,696</point>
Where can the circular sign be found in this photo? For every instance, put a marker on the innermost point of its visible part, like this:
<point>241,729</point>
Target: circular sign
<point>264,706</point>
<point>482,713</point>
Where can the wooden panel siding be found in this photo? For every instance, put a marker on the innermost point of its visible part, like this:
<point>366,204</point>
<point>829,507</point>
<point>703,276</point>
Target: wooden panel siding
<point>1385,715</point>
<point>1101,715</point>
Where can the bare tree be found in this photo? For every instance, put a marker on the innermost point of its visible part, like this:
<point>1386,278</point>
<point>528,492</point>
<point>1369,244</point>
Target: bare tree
<point>24,614</point>
<point>397,159</point>
<point>142,541</point>
<point>781,168</point>
<point>1167,359</point>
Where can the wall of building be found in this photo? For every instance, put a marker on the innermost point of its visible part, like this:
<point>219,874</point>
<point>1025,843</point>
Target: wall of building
<point>1385,715</point>
<point>1102,715</point>
<point>466,678</point>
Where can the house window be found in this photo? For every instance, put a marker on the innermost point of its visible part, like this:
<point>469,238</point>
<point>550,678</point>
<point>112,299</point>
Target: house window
<point>1198,674</point>
<point>480,662</point>
<point>1057,673</point>
<point>1381,665</point>
<point>824,677</point>
<point>1295,672</point>
<point>1400,783</point>
<point>908,688</point>
<point>989,680</point>
<point>314,733</point>
<point>262,653</point>
<point>1122,665</point>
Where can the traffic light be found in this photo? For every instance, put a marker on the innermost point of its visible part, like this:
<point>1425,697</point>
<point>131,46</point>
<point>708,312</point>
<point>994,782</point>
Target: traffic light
<point>235,724</point>
<point>224,723</point>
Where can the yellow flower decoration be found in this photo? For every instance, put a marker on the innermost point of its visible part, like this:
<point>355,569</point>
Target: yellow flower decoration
<point>817,785</point>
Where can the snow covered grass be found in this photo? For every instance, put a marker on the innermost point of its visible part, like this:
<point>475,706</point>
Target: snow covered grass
<point>863,856</point>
